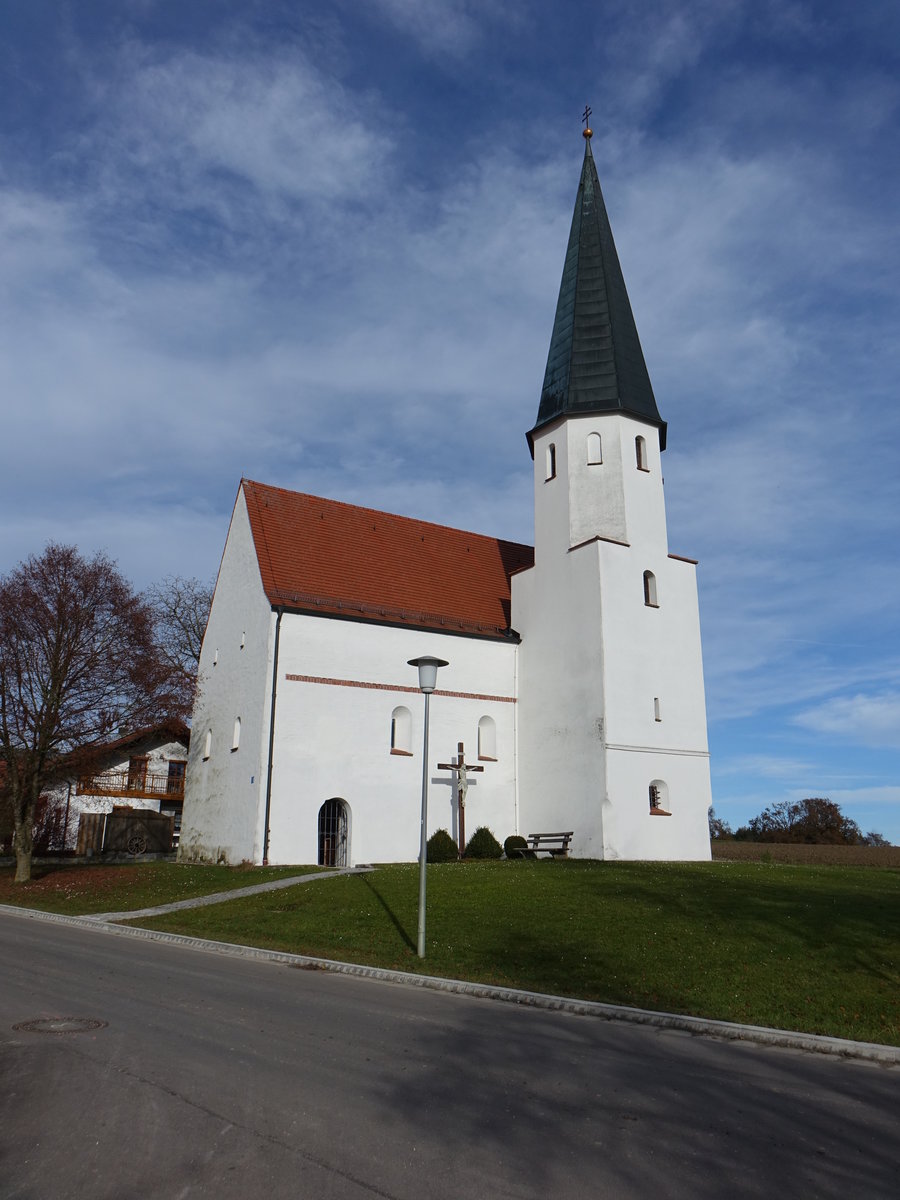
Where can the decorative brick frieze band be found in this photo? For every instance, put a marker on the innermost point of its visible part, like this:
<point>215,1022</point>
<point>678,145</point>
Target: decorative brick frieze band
<point>396,687</point>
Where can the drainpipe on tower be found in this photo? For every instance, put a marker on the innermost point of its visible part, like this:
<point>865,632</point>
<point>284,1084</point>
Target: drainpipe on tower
<point>265,855</point>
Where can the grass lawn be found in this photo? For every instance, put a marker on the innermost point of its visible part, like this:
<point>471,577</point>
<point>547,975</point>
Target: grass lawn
<point>794,947</point>
<point>95,889</point>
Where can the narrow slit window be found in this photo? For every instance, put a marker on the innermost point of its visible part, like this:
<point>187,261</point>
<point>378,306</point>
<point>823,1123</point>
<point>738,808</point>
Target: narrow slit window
<point>640,453</point>
<point>656,713</point>
<point>551,461</point>
<point>650,595</point>
<point>236,735</point>
<point>594,449</point>
<point>207,745</point>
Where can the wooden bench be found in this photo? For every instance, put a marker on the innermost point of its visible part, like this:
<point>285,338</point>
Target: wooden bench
<point>554,844</point>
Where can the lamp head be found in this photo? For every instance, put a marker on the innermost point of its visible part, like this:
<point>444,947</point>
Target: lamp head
<point>428,669</point>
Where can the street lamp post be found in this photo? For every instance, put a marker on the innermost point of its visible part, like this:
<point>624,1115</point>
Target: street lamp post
<point>428,669</point>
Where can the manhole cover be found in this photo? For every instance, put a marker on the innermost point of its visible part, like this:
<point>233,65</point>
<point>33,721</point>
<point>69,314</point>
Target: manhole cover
<point>59,1025</point>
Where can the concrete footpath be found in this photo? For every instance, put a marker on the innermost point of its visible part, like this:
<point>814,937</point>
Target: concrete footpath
<point>702,1026</point>
<point>222,897</point>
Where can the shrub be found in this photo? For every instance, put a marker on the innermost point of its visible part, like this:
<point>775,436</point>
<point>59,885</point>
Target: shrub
<point>441,847</point>
<point>513,846</point>
<point>483,844</point>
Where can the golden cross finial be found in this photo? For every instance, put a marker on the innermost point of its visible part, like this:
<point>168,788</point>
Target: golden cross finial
<point>586,117</point>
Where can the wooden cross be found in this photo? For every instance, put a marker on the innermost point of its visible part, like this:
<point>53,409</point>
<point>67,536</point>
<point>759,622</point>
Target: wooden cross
<point>462,768</point>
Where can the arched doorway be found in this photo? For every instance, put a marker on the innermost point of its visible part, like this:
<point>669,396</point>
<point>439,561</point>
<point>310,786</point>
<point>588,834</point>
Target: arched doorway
<point>334,833</point>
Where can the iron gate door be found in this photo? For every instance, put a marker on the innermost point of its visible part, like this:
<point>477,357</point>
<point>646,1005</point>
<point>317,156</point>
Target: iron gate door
<point>333,830</point>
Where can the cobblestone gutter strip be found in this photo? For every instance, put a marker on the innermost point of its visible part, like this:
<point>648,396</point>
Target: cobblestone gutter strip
<point>727,1030</point>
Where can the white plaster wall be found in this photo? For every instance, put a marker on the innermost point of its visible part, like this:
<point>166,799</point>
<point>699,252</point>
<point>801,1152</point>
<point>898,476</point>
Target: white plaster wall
<point>611,499</point>
<point>223,793</point>
<point>333,740</point>
<point>631,831</point>
<point>555,608</point>
<point>651,652</point>
<point>594,656</point>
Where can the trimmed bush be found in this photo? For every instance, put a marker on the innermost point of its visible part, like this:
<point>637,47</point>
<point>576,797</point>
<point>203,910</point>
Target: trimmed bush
<point>483,844</point>
<point>441,847</point>
<point>514,845</point>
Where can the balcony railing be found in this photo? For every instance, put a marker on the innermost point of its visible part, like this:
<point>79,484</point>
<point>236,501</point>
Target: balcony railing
<point>133,784</point>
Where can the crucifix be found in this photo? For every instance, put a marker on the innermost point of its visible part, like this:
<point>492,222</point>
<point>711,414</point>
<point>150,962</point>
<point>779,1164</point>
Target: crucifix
<point>462,770</point>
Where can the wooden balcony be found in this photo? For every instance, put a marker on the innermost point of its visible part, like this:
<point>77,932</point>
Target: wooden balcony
<point>133,785</point>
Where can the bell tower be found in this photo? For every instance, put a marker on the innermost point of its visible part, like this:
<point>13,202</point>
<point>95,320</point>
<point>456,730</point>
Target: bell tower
<point>611,707</point>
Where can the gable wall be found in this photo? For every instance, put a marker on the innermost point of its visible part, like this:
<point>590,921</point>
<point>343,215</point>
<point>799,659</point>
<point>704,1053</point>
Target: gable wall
<point>223,792</point>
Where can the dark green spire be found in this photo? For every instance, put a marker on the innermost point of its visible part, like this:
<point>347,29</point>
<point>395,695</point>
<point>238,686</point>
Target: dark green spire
<point>595,364</point>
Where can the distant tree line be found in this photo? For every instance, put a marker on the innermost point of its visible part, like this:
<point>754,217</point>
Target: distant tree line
<point>815,820</point>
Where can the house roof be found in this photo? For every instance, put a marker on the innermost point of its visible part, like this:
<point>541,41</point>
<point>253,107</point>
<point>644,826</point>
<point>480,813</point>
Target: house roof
<point>326,557</point>
<point>172,729</point>
<point>84,758</point>
<point>595,363</point>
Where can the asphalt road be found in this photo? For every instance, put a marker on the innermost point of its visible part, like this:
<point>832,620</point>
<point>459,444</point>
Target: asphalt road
<point>226,1078</point>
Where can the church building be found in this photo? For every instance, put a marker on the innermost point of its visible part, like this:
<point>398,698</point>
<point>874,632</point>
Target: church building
<point>574,676</point>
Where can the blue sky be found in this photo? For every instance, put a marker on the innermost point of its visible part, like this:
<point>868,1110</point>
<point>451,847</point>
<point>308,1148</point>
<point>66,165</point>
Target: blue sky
<point>319,244</point>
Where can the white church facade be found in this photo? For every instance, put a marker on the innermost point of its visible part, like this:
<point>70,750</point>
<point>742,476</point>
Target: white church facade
<point>574,676</point>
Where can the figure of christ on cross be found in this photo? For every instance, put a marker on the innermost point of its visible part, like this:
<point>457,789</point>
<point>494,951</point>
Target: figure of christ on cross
<point>462,768</point>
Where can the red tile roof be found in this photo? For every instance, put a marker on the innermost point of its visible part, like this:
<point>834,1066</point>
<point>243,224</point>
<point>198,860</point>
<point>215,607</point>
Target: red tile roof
<point>326,557</point>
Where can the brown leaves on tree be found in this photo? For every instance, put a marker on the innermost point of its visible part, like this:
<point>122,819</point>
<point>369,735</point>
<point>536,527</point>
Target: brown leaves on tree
<point>78,663</point>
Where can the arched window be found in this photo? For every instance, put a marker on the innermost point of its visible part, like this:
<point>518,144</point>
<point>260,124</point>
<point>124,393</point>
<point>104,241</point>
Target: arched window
<point>650,596</point>
<point>236,735</point>
<point>640,454</point>
<point>659,798</point>
<point>551,461</point>
<point>207,745</point>
<point>401,731</point>
<point>594,449</point>
<point>487,739</point>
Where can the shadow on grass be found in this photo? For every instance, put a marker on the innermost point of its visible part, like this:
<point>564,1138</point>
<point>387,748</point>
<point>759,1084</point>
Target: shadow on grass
<point>392,916</point>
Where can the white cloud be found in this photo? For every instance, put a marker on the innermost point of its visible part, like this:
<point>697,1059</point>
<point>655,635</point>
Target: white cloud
<point>246,271</point>
<point>769,766</point>
<point>866,719</point>
<point>866,796</point>
<point>445,27</point>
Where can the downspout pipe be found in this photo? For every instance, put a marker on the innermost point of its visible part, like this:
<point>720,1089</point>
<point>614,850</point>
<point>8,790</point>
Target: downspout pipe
<point>265,855</point>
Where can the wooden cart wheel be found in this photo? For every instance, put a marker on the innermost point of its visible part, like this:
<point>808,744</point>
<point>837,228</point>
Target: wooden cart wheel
<point>137,844</point>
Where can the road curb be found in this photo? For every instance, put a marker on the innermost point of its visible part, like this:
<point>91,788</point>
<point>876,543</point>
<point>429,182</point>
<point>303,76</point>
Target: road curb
<point>700,1026</point>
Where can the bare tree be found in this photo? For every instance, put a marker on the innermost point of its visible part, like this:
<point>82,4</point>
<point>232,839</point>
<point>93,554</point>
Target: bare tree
<point>78,662</point>
<point>718,829</point>
<point>180,610</point>
<point>875,839</point>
